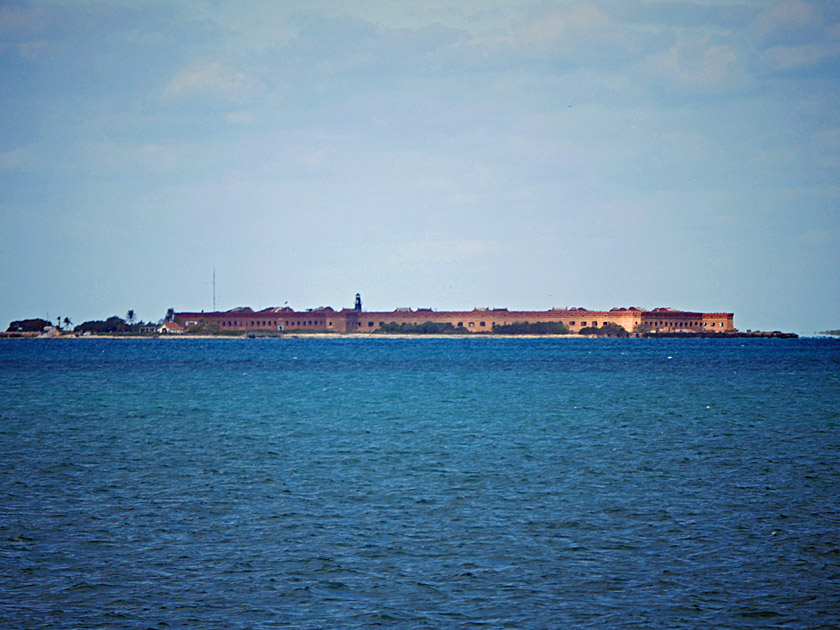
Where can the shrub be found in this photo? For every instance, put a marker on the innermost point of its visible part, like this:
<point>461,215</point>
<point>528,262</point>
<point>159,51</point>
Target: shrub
<point>537,328</point>
<point>28,325</point>
<point>607,330</point>
<point>426,328</point>
<point>111,325</point>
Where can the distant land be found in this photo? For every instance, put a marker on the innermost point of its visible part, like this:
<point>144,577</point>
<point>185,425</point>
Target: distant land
<point>280,321</point>
<point>832,333</point>
<point>616,321</point>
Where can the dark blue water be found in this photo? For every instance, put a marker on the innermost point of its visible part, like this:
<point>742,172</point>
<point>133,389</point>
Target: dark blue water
<point>453,483</point>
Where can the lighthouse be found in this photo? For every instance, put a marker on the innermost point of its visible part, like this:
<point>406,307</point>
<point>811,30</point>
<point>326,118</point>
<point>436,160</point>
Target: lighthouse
<point>358,306</point>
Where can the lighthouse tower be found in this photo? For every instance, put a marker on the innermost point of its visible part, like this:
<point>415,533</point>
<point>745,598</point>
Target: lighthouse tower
<point>358,306</point>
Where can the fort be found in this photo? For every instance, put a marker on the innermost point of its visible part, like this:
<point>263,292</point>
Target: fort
<point>478,320</point>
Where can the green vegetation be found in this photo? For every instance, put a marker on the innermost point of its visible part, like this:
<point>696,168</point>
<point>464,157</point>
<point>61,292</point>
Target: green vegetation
<point>607,330</point>
<point>200,328</point>
<point>28,325</point>
<point>537,328</point>
<point>426,328</point>
<point>113,324</point>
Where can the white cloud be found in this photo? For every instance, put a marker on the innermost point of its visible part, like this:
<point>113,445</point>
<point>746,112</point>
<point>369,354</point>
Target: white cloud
<point>827,147</point>
<point>32,51</point>
<point>131,159</point>
<point>212,80</point>
<point>20,159</point>
<point>578,32</point>
<point>783,16</point>
<point>241,117</point>
<point>432,251</point>
<point>697,65</point>
<point>314,159</point>
<point>15,20</point>
<point>802,56</point>
<point>582,22</point>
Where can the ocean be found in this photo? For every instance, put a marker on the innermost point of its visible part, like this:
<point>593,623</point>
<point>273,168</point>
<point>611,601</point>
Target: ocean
<point>420,483</point>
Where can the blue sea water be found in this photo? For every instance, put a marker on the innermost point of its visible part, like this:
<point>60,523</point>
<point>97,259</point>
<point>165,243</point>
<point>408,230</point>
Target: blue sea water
<point>420,483</point>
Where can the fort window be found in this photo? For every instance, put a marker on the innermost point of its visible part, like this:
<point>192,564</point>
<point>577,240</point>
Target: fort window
<point>460,324</point>
<point>571,323</point>
<point>370,324</point>
<point>583,323</point>
<point>471,324</point>
<point>481,324</point>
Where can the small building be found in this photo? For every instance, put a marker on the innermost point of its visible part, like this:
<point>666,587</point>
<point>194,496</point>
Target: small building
<point>170,328</point>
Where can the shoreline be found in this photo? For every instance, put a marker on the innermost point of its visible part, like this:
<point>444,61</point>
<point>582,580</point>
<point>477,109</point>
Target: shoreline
<point>252,336</point>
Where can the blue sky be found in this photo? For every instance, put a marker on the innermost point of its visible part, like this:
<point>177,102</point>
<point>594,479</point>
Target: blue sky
<point>439,154</point>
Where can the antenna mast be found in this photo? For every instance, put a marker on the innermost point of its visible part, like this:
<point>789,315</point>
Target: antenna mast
<point>214,289</point>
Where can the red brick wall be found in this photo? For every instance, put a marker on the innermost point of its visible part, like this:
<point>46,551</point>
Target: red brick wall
<point>475,321</point>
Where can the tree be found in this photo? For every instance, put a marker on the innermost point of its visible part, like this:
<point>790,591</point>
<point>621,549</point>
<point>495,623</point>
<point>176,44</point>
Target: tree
<point>110,325</point>
<point>28,325</point>
<point>130,317</point>
<point>170,315</point>
<point>426,328</point>
<point>67,323</point>
<point>534,328</point>
<point>607,330</point>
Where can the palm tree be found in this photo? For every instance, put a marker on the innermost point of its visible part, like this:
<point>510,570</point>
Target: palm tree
<point>67,323</point>
<point>130,318</point>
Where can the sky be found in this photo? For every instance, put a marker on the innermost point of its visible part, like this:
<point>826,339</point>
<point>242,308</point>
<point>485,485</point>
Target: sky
<point>448,154</point>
